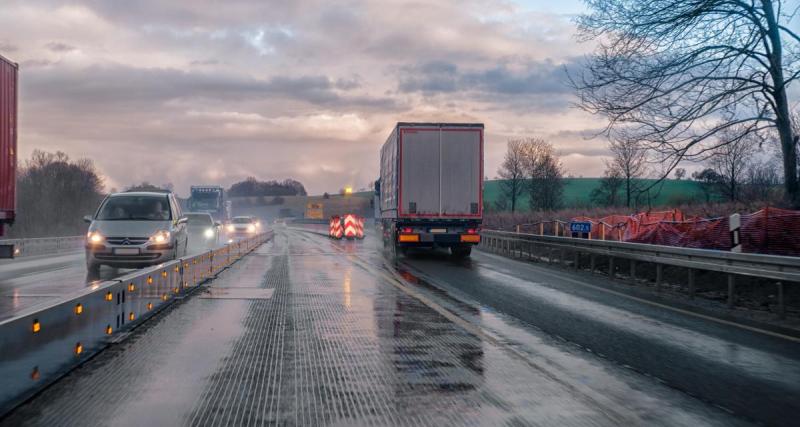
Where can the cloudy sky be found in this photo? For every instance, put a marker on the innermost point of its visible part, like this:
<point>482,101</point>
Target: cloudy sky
<point>206,91</point>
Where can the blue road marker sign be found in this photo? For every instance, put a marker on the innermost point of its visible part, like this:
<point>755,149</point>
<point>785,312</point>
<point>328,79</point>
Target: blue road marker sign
<point>580,227</point>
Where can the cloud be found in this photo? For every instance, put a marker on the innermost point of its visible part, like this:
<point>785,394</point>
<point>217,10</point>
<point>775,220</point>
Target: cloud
<point>530,78</point>
<point>59,47</point>
<point>6,47</point>
<point>192,90</point>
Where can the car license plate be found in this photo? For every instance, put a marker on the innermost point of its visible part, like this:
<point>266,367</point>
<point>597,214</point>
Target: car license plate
<point>438,230</point>
<point>126,251</point>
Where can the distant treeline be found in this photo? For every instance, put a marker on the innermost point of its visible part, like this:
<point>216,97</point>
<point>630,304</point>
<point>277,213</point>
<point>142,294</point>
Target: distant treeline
<point>251,187</point>
<point>53,194</point>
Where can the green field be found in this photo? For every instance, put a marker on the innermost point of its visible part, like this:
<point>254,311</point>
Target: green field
<point>669,192</point>
<point>577,191</point>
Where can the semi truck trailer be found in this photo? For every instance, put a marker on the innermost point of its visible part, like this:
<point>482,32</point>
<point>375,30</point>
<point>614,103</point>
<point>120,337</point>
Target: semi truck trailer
<point>8,149</point>
<point>430,189</point>
<point>209,198</point>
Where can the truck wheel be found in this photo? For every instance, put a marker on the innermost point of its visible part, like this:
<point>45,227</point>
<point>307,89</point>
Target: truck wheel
<point>461,251</point>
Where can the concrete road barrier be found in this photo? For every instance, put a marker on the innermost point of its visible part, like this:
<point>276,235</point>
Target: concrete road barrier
<point>41,344</point>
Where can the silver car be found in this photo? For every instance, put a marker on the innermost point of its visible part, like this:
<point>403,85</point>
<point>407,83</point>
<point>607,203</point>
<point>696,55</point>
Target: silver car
<point>203,230</point>
<point>136,229</point>
<point>243,226</point>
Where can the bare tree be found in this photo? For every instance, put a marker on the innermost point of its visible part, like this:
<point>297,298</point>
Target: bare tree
<point>675,73</point>
<point>512,171</point>
<point>53,193</point>
<point>608,193</point>
<point>544,175</point>
<point>629,162</point>
<point>709,182</point>
<point>731,162</point>
<point>680,173</point>
<point>761,182</point>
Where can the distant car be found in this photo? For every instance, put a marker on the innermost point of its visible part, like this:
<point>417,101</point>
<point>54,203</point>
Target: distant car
<point>243,225</point>
<point>202,229</point>
<point>135,229</point>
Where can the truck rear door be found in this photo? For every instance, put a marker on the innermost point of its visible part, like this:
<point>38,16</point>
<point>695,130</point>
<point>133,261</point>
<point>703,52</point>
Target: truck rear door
<point>419,181</point>
<point>461,160</point>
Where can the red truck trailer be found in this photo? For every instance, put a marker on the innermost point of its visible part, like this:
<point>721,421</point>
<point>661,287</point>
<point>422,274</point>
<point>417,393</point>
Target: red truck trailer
<point>8,148</point>
<point>431,186</point>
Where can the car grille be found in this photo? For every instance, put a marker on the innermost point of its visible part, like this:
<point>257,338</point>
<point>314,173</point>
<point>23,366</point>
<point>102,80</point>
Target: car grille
<point>130,240</point>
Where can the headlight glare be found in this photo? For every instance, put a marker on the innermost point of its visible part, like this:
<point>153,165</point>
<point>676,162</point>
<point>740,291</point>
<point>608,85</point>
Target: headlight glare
<point>94,237</point>
<point>209,233</point>
<point>160,237</point>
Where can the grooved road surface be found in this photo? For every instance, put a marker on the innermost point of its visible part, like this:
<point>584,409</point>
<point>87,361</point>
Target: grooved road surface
<point>338,335</point>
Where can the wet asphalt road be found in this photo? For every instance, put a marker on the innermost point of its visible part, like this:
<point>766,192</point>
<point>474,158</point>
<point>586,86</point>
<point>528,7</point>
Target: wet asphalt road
<point>308,331</point>
<point>752,374</point>
<point>37,280</point>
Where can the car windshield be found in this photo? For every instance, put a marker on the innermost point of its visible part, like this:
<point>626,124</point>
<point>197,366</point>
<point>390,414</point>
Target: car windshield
<point>139,208</point>
<point>242,220</point>
<point>199,219</point>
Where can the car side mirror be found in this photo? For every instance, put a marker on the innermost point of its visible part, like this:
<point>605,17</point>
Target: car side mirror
<point>183,220</point>
<point>87,219</point>
<point>217,224</point>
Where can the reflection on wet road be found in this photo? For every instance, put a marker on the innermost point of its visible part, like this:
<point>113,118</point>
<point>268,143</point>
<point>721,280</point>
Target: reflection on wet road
<point>344,338</point>
<point>37,280</point>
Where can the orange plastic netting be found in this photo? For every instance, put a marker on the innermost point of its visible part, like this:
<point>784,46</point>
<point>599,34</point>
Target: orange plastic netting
<point>769,231</point>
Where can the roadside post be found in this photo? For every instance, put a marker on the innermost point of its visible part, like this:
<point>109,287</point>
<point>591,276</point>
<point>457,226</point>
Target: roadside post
<point>735,223</point>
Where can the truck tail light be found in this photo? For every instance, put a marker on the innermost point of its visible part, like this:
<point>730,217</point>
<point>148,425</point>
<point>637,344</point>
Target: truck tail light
<point>470,238</point>
<point>472,231</point>
<point>408,238</point>
<point>406,230</point>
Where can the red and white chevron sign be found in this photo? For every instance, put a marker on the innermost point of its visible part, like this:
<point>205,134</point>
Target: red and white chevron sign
<point>360,227</point>
<point>335,227</point>
<point>350,226</point>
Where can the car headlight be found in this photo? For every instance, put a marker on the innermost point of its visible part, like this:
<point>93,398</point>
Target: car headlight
<point>161,236</point>
<point>209,233</point>
<point>94,237</point>
<point>251,228</point>
<point>230,228</point>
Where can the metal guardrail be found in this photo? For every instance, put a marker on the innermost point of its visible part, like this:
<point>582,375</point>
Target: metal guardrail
<point>43,343</point>
<point>557,250</point>
<point>44,245</point>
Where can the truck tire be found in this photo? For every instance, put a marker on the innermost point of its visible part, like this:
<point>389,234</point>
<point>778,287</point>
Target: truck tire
<point>461,251</point>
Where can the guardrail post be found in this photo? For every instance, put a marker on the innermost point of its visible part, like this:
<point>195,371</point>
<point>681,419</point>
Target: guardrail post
<point>633,270</point>
<point>611,267</point>
<point>781,307</point>
<point>592,263</point>
<point>577,260</point>
<point>731,290</point>
<point>561,257</point>
<point>659,276</point>
<point>691,283</point>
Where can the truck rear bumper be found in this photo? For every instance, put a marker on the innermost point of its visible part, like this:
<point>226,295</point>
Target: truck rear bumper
<point>437,240</point>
